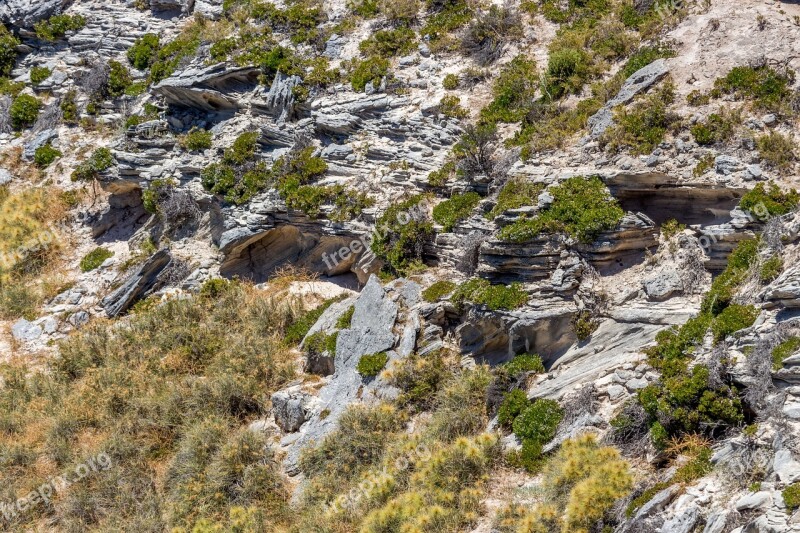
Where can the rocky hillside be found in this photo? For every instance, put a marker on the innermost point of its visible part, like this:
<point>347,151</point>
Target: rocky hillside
<point>410,266</point>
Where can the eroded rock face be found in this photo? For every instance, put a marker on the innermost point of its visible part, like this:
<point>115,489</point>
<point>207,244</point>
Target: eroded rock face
<point>26,13</point>
<point>291,408</point>
<point>137,285</point>
<point>209,88</point>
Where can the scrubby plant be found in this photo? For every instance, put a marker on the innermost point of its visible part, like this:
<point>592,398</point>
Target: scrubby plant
<point>771,198</point>
<point>538,422</point>
<point>671,227</point>
<point>371,70</point>
<point>371,365</point>
<point>486,35</point>
<point>170,55</point>
<point>515,193</point>
<point>495,297</point>
<point>450,82</point>
<point>732,319</point>
<point>582,208</point>
<point>24,110</point>
<point>777,150</point>
<point>299,326</point>
<point>512,406</point>
<point>705,164</point>
<point>646,55</point>
<point>770,269</point>
<point>8,51</point>
<point>438,290</point>
<point>446,16</point>
<point>642,127</point>
<point>513,91</point>
<point>460,405</point>
<point>389,43</point>
<point>791,497</point>
<point>143,52</point>
<point>44,156</point>
<point>783,350</point>
<point>100,161</point>
<point>57,26</point>
<point>69,108</point>
<point>567,72</point>
<point>419,378</point>
<point>584,323</point>
<point>119,79</point>
<point>450,106</point>
<point>95,258</point>
<point>404,230</point>
<point>525,362</point>
<point>717,128</point>
<point>766,87</point>
<point>197,139</point>
<point>455,209</point>
<point>344,321</point>
<point>39,74</point>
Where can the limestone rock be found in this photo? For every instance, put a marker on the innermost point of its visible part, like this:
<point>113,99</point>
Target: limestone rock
<point>26,13</point>
<point>137,285</point>
<point>291,408</point>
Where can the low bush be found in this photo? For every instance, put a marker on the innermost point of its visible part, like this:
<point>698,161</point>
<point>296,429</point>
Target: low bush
<point>69,108</point>
<point>389,43</point>
<point>404,230</point>
<point>584,323</point>
<point>644,56</point>
<point>438,290</point>
<point>642,127</point>
<point>8,51</point>
<point>24,110</point>
<point>770,269</point>
<point>447,16</point>
<point>791,497</point>
<point>495,297</point>
<point>513,404</point>
<point>705,164</point>
<point>732,319</point>
<point>344,321</point>
<point>513,91</point>
<point>484,38</point>
<point>44,156</point>
<point>100,160</point>
<point>119,79</point>
<point>370,70</point>
<point>783,350</point>
<point>777,150</point>
<point>452,211</point>
<point>582,208</point>
<point>450,82</point>
<point>298,328</point>
<point>671,227</point>
<point>515,193</point>
<point>372,364</point>
<point>771,198</point>
<point>539,421</point>
<point>57,26</point>
<point>419,378</point>
<point>567,72</point>
<point>460,405</point>
<point>450,106</point>
<point>95,258</point>
<point>170,55</point>
<point>717,128</point>
<point>525,362</point>
<point>197,139</point>
<point>769,89</point>
<point>39,74</point>
<point>144,51</point>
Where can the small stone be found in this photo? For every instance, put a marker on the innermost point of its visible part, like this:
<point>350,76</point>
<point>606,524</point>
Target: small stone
<point>769,120</point>
<point>636,384</point>
<point>756,500</point>
<point>754,171</point>
<point>616,392</point>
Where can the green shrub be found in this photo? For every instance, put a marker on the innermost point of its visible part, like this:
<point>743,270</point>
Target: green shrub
<point>460,406</point>
<point>45,155</point>
<point>419,378</point>
<point>725,285</point>
<point>452,211</point>
<point>371,365</point>
<point>320,343</point>
<point>769,89</point>
<point>24,110</point>
<point>39,74</point>
<point>772,199</point>
<point>581,208</point>
<point>644,56</point>
<point>69,109</point>
<point>197,139</point>
<point>643,498</point>
<point>539,421</point>
<point>170,55</point>
<point>525,362</point>
<point>389,43</point>
<point>100,160</point>
<point>771,269</point>
<point>57,26</point>
<point>496,297</point>
<point>777,150</point>
<point>435,292</point>
<point>450,106</point>
<point>717,128</point>
<point>671,227</point>
<point>783,350</point>
<point>642,127</point>
<point>732,319</point>
<point>119,79</point>
<point>698,466</point>
<point>144,51</point>
<point>298,328</point>
<point>450,82</point>
<point>516,193</point>
<point>344,321</point>
<point>513,91</point>
<point>513,404</point>
<point>370,70</point>
<point>705,164</point>
<point>95,258</point>
<point>567,72</point>
<point>584,324</point>
<point>8,51</point>
<point>447,17</point>
<point>404,229</point>
<point>791,497</point>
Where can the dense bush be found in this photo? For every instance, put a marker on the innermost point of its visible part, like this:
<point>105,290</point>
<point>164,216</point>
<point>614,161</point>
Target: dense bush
<point>24,110</point>
<point>389,43</point>
<point>642,127</point>
<point>783,350</point>
<point>791,497</point>
<point>39,74</point>
<point>57,26</point>
<point>403,230</point>
<point>515,194</point>
<point>525,362</point>
<point>298,328</point>
<point>44,156</point>
<point>513,91</point>
<point>450,82</point>
<point>486,35</point>
<point>732,319</point>
<point>119,79</point>
<point>370,70</point>
<point>452,211</point>
<point>582,208</point>
<point>69,108</point>
<point>777,150</point>
<point>100,160</point>
<point>717,128</point>
<point>372,364</point>
<point>567,72</point>
<point>450,106</point>
<point>95,258</point>
<point>144,51</point>
<point>769,89</point>
<point>770,198</point>
<point>513,404</point>
<point>496,297</point>
<point>446,16</point>
<point>197,139</point>
<point>538,422</point>
<point>8,51</point>
<point>438,290</point>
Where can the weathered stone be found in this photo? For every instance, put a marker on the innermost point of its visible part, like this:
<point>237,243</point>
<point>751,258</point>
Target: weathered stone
<point>291,408</point>
<point>26,13</point>
<point>754,500</point>
<point>786,467</point>
<point>137,285</point>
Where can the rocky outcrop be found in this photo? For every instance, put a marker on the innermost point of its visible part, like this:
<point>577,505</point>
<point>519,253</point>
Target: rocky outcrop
<point>208,88</point>
<point>26,13</point>
<point>291,408</point>
<point>138,284</point>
